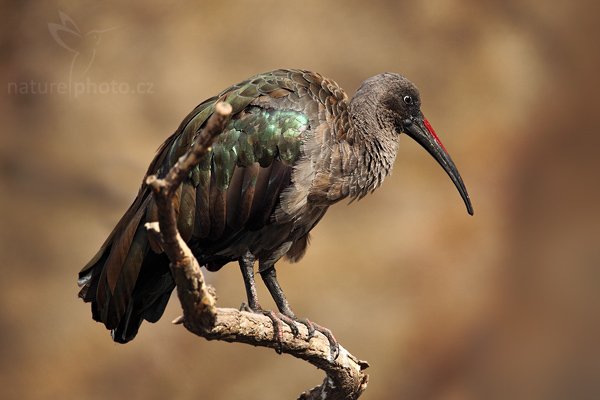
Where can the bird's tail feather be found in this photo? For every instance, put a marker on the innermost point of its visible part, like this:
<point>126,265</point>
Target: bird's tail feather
<point>149,298</point>
<point>126,282</point>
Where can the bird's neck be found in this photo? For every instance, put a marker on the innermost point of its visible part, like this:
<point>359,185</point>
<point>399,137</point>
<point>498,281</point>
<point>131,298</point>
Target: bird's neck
<point>374,143</point>
<point>362,153</point>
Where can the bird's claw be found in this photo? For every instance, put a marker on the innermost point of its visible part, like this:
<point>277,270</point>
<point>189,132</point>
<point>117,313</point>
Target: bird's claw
<point>312,328</point>
<point>289,322</point>
<point>334,346</point>
<point>277,331</point>
<point>277,319</point>
<point>309,326</point>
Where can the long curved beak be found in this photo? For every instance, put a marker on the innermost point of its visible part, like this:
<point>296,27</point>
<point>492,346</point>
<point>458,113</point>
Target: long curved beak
<point>422,132</point>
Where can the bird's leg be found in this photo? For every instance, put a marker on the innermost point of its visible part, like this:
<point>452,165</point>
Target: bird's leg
<point>269,276</point>
<point>285,312</point>
<point>247,267</point>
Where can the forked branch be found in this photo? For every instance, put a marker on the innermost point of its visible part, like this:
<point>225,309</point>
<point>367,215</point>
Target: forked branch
<point>345,377</point>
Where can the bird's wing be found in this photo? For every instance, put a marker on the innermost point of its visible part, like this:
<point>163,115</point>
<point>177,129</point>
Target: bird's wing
<point>238,183</point>
<point>236,186</point>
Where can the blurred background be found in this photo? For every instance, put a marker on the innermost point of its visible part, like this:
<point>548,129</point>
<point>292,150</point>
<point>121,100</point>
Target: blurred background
<point>502,305</point>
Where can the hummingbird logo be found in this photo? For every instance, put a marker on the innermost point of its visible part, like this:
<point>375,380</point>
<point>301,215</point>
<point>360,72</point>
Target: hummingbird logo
<point>83,45</point>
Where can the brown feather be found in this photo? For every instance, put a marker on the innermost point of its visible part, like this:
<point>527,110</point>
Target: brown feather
<point>278,93</point>
<point>118,253</point>
<point>217,209</point>
<point>298,249</point>
<point>128,276</point>
<point>279,179</point>
<point>260,195</point>
<point>187,211</point>
<point>248,190</point>
<point>234,195</point>
<point>120,246</point>
<point>202,219</point>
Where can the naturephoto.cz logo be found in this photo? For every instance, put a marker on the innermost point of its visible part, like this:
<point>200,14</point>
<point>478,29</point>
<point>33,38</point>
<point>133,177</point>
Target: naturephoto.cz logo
<point>84,46</point>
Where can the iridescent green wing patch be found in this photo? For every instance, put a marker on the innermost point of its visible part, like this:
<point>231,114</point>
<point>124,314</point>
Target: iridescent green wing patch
<point>259,135</point>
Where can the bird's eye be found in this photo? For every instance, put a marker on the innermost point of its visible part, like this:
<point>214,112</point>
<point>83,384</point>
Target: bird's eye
<point>408,99</point>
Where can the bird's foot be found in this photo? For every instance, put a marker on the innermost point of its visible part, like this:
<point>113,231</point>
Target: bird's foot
<point>334,346</point>
<point>278,319</point>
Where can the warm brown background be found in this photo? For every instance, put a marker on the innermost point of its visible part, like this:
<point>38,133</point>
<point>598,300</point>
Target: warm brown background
<point>504,305</point>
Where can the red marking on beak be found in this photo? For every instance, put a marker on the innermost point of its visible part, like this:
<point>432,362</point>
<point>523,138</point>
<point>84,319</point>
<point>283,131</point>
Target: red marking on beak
<point>432,133</point>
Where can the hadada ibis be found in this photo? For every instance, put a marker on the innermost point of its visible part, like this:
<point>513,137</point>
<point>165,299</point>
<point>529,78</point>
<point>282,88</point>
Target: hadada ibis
<point>295,145</point>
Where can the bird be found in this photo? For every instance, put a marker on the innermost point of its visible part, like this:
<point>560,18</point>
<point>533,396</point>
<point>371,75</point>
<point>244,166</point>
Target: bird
<point>295,145</point>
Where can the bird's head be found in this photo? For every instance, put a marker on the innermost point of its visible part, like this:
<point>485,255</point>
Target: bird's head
<point>399,110</point>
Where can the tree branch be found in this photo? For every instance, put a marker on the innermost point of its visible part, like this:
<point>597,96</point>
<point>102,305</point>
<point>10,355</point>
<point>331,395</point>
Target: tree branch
<point>345,377</point>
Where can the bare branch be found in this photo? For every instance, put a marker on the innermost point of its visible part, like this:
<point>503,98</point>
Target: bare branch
<point>345,377</point>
